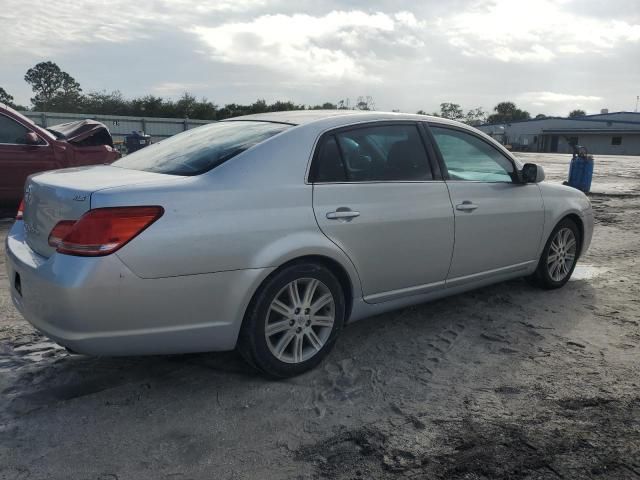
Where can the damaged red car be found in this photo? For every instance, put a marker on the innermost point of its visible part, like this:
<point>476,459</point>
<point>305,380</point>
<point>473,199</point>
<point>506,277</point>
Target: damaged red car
<point>26,148</point>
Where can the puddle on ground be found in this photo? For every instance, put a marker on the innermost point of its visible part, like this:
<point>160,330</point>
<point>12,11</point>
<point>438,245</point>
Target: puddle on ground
<point>586,272</point>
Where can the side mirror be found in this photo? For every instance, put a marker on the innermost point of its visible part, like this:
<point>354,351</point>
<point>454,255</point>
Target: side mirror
<point>532,173</point>
<point>31,139</point>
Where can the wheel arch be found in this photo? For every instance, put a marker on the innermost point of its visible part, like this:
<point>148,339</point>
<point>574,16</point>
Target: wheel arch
<point>575,218</point>
<point>341,273</point>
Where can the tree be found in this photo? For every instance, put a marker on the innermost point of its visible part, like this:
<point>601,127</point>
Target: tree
<point>577,113</point>
<point>106,103</point>
<point>540,116</point>
<point>5,97</point>
<point>205,110</point>
<point>475,117</point>
<point>324,106</point>
<point>152,106</point>
<point>8,100</point>
<point>421,112</point>
<point>186,105</point>
<point>506,112</point>
<point>452,111</point>
<point>53,88</point>
<point>365,103</point>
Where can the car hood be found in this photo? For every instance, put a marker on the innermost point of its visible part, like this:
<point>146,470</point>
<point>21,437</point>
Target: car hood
<point>77,132</point>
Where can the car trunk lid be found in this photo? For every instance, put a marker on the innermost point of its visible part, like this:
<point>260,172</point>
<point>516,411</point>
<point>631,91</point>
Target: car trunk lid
<point>66,195</point>
<point>83,133</point>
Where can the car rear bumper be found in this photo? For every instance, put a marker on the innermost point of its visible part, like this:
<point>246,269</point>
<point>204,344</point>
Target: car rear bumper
<point>98,306</point>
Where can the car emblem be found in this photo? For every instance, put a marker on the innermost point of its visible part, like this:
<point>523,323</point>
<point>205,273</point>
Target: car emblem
<point>30,229</point>
<point>79,198</point>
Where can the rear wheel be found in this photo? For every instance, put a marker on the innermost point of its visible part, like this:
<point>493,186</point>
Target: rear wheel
<point>559,256</point>
<point>293,320</point>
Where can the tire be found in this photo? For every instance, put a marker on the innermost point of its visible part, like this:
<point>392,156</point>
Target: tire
<point>301,329</point>
<point>559,256</point>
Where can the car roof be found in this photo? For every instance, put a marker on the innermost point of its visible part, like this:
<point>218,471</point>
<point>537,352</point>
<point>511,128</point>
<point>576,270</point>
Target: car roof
<point>319,121</point>
<point>335,117</point>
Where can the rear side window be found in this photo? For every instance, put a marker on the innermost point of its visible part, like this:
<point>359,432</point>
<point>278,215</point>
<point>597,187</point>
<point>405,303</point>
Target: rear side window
<point>384,153</point>
<point>199,150</point>
<point>11,132</point>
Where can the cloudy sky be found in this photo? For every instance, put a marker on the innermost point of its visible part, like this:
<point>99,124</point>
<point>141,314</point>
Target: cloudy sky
<point>549,56</point>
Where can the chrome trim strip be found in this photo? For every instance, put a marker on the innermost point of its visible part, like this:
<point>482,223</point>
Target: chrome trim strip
<point>403,292</point>
<point>488,273</point>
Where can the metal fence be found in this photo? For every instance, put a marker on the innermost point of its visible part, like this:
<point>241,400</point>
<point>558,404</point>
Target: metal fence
<point>119,126</point>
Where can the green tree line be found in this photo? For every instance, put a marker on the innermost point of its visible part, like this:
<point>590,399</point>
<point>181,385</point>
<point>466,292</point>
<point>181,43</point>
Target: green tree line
<point>57,91</point>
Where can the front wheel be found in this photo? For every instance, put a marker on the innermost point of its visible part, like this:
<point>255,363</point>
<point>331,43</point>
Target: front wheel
<point>559,256</point>
<point>293,320</point>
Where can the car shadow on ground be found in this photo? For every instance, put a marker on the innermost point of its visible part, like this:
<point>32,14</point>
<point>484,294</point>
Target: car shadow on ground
<point>41,374</point>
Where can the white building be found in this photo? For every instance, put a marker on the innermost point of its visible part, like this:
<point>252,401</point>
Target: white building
<point>606,133</point>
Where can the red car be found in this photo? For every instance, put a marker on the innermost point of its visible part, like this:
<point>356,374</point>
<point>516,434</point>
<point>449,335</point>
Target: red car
<point>26,148</point>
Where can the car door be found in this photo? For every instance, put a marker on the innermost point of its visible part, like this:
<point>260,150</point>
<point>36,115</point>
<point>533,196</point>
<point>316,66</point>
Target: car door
<point>498,220</point>
<point>375,197</point>
<point>18,159</point>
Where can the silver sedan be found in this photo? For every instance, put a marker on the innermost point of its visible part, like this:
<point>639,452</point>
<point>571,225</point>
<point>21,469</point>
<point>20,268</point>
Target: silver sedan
<point>270,232</point>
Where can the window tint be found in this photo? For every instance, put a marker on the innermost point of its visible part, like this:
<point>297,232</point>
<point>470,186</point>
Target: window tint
<point>329,166</point>
<point>384,153</point>
<point>199,150</point>
<point>12,132</point>
<point>469,158</point>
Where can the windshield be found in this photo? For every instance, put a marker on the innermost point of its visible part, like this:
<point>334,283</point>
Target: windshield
<point>199,150</point>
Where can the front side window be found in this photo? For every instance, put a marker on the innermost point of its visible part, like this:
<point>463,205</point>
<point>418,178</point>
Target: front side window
<point>369,154</point>
<point>199,150</point>
<point>616,140</point>
<point>467,157</point>
<point>11,132</point>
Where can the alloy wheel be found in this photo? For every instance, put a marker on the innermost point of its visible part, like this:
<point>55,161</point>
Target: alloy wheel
<point>562,254</point>
<point>300,320</point>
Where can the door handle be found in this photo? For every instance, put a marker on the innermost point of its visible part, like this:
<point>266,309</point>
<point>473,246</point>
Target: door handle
<point>342,214</point>
<point>466,206</point>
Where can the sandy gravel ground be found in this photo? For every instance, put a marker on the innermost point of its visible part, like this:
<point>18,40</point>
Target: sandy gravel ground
<point>508,382</point>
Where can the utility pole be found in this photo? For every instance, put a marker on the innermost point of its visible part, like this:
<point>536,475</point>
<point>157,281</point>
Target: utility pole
<point>637,101</point>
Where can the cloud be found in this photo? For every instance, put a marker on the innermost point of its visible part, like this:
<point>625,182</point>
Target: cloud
<point>176,88</point>
<point>533,31</point>
<point>407,54</point>
<point>48,28</point>
<point>544,98</point>
<point>332,46</point>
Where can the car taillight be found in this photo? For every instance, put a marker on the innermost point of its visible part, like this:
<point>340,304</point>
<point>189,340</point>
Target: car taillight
<point>60,231</point>
<point>20,212</point>
<point>102,231</point>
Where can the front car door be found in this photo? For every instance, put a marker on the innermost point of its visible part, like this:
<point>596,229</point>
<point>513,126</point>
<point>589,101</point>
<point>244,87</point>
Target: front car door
<point>375,197</point>
<point>18,159</point>
<point>498,220</point>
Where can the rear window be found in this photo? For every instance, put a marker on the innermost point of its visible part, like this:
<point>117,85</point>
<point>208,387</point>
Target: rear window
<point>199,150</point>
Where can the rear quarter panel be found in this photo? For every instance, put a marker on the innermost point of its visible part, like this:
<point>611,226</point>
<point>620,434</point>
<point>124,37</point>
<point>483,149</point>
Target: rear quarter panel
<point>254,211</point>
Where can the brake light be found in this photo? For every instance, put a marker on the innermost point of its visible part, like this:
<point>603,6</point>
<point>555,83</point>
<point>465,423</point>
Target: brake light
<point>102,231</point>
<point>20,212</point>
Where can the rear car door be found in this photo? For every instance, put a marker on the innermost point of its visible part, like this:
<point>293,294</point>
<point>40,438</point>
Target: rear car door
<point>499,221</point>
<point>375,196</point>
<point>18,159</point>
